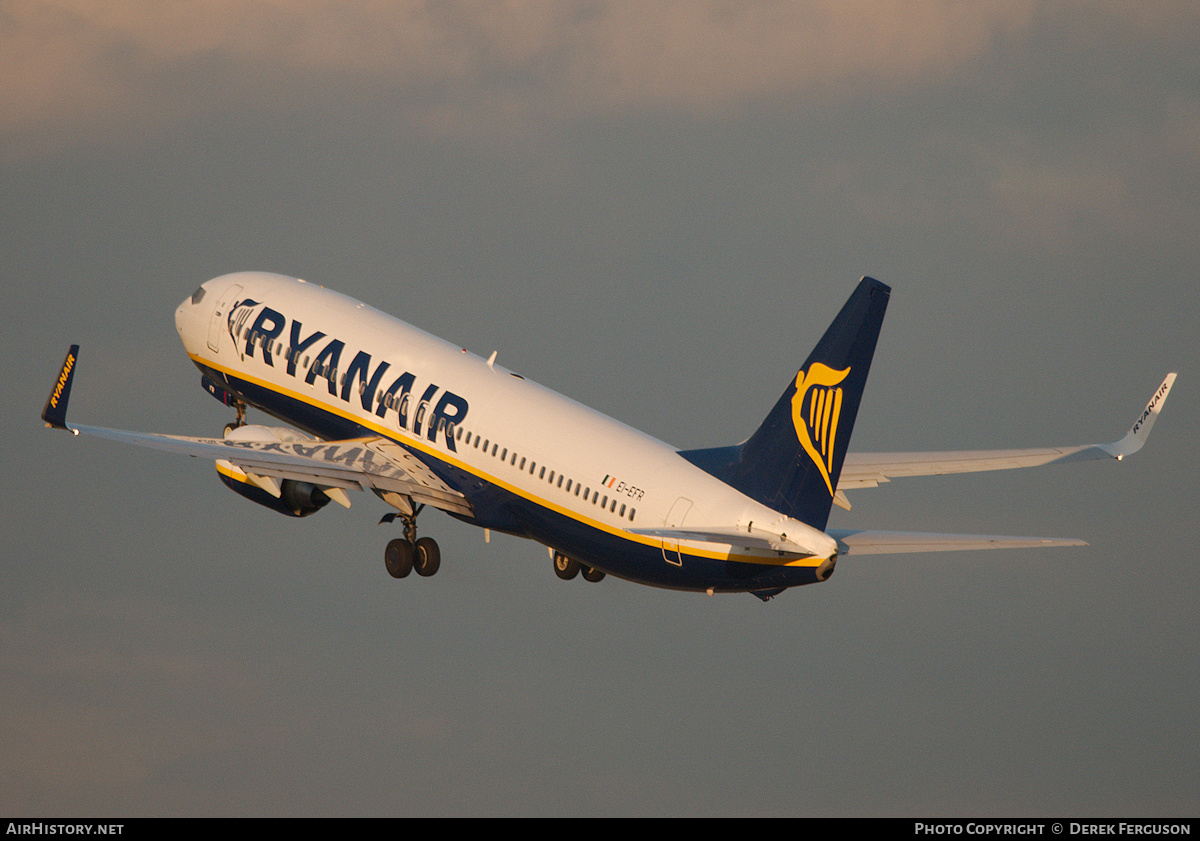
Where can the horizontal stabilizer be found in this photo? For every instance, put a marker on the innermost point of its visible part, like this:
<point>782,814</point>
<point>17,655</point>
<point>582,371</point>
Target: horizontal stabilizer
<point>743,538</point>
<point>868,542</point>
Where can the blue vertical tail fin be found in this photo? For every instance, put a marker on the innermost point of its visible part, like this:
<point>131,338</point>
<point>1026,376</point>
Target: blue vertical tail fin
<point>792,462</point>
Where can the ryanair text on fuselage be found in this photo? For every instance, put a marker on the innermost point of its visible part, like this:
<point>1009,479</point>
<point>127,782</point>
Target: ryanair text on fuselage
<point>268,328</point>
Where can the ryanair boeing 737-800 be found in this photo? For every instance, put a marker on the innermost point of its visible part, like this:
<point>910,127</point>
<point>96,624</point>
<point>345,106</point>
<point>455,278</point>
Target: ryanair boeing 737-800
<point>377,405</point>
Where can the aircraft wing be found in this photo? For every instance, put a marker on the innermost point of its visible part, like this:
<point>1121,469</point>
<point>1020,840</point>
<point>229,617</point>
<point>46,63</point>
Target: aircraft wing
<point>371,463</point>
<point>868,470</point>
<point>863,541</point>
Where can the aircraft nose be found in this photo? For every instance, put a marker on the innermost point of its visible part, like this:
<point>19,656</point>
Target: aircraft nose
<point>188,314</point>
<point>181,313</point>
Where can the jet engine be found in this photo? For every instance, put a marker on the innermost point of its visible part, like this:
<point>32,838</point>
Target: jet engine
<point>295,499</point>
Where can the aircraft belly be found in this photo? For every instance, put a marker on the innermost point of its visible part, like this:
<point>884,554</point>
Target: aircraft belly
<point>643,561</point>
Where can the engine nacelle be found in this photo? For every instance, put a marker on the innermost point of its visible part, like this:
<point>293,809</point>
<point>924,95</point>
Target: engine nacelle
<point>296,499</point>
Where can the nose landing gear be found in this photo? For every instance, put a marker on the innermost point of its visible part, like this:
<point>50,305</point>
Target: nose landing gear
<point>240,420</point>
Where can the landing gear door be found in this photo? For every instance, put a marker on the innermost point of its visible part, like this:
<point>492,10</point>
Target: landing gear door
<point>674,520</point>
<point>220,317</point>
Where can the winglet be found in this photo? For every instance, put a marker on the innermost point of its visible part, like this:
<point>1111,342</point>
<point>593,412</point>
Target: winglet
<point>55,411</point>
<point>1135,439</point>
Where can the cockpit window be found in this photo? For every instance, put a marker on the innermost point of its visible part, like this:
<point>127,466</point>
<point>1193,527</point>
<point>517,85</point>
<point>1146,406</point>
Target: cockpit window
<point>198,295</point>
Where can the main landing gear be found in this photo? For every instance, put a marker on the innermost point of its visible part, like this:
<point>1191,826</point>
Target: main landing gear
<point>567,568</point>
<point>404,554</point>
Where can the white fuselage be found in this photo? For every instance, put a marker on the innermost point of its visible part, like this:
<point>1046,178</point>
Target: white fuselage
<point>529,460</point>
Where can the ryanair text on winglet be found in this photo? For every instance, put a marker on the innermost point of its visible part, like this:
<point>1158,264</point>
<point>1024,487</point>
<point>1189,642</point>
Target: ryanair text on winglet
<point>63,376</point>
<point>1158,395</point>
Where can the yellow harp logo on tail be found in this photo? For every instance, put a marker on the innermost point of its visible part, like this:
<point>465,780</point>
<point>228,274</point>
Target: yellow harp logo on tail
<point>816,406</point>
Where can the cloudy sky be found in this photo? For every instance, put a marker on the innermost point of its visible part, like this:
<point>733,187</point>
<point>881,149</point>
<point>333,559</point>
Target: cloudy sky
<point>654,208</point>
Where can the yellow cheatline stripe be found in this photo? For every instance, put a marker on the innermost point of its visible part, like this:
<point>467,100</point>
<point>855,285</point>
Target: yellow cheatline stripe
<point>406,438</point>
